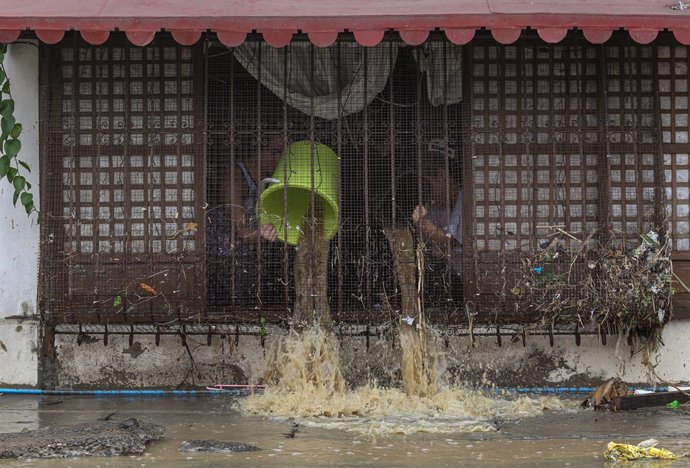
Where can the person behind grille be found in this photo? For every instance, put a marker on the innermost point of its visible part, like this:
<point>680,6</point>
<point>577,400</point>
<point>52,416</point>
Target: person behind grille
<point>238,212</point>
<point>436,221</point>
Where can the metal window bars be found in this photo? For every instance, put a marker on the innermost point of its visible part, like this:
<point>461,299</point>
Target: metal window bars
<point>150,154</point>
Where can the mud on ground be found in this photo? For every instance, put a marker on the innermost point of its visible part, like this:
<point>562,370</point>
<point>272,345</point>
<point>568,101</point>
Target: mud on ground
<point>101,439</point>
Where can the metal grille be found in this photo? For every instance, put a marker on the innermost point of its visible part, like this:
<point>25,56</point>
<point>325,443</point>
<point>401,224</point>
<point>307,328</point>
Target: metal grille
<point>672,72</point>
<point>152,152</point>
<point>124,161</point>
<point>381,148</point>
<point>563,138</point>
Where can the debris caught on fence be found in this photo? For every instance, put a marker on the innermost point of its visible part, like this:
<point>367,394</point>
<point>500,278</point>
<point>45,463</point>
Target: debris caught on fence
<point>607,279</point>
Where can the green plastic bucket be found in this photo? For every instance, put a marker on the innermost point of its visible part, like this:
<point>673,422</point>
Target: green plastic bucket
<point>296,163</point>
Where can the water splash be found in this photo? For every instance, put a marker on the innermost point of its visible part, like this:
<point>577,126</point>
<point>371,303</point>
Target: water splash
<point>305,362</point>
<point>305,382</point>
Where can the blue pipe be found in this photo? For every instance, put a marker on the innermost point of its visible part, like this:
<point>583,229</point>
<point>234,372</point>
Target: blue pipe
<point>546,390</point>
<point>565,390</point>
<point>36,391</point>
<point>242,392</point>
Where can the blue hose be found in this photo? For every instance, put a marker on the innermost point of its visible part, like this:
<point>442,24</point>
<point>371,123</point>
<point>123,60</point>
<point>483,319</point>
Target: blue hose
<point>158,393</point>
<point>546,390</point>
<point>243,392</point>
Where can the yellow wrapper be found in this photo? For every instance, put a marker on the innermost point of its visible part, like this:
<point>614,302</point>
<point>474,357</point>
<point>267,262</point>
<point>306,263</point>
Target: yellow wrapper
<point>627,452</point>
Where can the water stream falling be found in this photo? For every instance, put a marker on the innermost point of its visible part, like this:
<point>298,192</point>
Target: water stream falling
<point>305,382</point>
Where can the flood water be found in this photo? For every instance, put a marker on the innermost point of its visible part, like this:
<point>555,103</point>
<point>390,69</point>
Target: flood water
<point>553,438</point>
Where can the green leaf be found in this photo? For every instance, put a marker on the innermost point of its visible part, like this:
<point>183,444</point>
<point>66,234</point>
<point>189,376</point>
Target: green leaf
<point>29,207</point>
<point>650,241</point>
<point>16,130</point>
<point>6,107</point>
<point>6,126</point>
<point>28,186</point>
<point>2,74</point>
<point>25,166</point>
<point>118,301</point>
<point>6,87</point>
<point>26,198</point>
<point>19,183</point>
<point>4,166</point>
<point>12,147</point>
<point>11,173</point>
<point>15,197</point>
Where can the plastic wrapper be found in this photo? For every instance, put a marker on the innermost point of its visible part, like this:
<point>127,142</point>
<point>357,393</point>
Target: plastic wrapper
<point>628,452</point>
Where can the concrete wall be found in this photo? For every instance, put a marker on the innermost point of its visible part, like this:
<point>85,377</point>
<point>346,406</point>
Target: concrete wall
<point>92,364</point>
<point>19,234</point>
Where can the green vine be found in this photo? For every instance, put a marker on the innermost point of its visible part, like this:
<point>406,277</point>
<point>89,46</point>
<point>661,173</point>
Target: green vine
<point>10,145</point>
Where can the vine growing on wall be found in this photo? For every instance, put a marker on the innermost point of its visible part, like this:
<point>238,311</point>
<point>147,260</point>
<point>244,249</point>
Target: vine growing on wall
<point>11,166</point>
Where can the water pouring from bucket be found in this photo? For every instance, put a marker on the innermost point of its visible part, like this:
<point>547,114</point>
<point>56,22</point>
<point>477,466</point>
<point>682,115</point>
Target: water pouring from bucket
<point>304,166</point>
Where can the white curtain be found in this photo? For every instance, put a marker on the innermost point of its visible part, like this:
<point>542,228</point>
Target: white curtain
<point>429,57</point>
<point>302,92</point>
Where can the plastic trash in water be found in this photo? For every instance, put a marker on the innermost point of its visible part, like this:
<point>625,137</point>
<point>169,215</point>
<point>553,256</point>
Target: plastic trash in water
<point>626,452</point>
<point>648,443</point>
<point>673,405</point>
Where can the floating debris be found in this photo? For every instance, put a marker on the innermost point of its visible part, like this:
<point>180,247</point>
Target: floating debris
<point>605,394</point>
<point>216,446</point>
<point>102,439</point>
<point>626,452</point>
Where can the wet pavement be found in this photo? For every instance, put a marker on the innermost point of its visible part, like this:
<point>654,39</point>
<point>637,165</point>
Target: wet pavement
<point>570,438</point>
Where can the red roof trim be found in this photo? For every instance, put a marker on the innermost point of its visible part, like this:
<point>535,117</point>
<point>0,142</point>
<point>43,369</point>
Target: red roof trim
<point>460,36</point>
<point>506,35</point>
<point>597,36</point>
<point>8,35</point>
<point>95,37</point>
<point>682,36</point>
<point>552,35</point>
<point>323,39</point>
<point>186,37</point>
<point>643,36</point>
<point>50,36</point>
<point>369,38</point>
<point>231,38</point>
<point>140,38</point>
<point>278,19</point>
<point>414,38</point>
<point>278,37</point>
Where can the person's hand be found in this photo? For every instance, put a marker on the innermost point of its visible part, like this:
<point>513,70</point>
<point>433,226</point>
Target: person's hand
<point>419,213</point>
<point>268,232</point>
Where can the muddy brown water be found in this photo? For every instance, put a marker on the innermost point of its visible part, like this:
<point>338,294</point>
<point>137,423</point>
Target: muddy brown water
<point>563,438</point>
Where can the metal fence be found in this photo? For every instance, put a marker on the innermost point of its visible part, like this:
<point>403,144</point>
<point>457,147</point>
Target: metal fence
<point>150,158</point>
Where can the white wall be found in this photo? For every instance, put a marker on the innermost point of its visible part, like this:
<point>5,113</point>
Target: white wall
<point>144,364</point>
<point>566,364</point>
<point>19,234</point>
